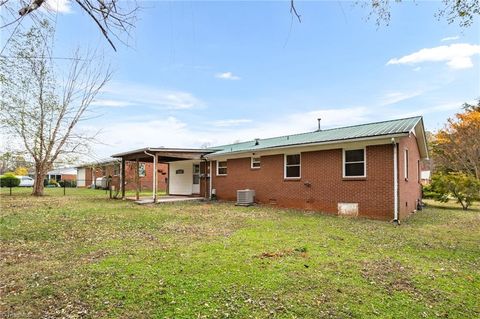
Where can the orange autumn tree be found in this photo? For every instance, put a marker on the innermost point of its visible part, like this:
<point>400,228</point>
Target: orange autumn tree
<point>457,145</point>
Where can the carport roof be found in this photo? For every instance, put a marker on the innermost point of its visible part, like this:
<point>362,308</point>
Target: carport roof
<point>165,154</point>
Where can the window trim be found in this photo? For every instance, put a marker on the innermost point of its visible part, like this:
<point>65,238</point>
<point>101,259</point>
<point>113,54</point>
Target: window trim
<point>364,162</point>
<point>252,161</point>
<point>218,166</point>
<point>285,166</point>
<point>116,169</point>
<point>405,164</point>
<point>144,169</point>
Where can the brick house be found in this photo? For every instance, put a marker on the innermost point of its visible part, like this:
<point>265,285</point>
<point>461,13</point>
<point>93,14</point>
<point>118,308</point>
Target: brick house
<point>88,173</point>
<point>370,170</point>
<point>62,174</point>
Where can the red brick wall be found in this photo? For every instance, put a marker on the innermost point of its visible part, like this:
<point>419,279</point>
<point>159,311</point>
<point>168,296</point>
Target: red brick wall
<point>69,177</point>
<point>145,181</point>
<point>323,170</point>
<point>409,190</point>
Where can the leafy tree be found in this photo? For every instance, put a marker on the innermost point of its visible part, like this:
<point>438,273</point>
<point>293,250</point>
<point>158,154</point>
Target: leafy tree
<point>39,111</point>
<point>21,171</point>
<point>463,187</point>
<point>10,161</point>
<point>457,146</point>
<point>9,180</point>
<point>461,11</point>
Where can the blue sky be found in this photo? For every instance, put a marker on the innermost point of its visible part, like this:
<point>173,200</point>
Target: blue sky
<point>218,72</point>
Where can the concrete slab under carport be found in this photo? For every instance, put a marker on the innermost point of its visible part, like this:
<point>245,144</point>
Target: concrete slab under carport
<point>167,199</point>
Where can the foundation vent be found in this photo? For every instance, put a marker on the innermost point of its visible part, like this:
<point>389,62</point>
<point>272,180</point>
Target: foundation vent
<point>348,209</point>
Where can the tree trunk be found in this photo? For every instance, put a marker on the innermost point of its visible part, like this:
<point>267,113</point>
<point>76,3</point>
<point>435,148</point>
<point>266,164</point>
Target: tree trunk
<point>38,185</point>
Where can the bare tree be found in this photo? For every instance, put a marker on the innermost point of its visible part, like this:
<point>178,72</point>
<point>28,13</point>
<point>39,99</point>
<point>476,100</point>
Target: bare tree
<point>114,18</point>
<point>40,111</point>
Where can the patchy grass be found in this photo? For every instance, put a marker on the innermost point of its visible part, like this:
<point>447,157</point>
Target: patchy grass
<point>85,256</point>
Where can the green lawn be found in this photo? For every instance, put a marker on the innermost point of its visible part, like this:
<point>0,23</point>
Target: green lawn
<point>84,256</point>
<point>59,191</point>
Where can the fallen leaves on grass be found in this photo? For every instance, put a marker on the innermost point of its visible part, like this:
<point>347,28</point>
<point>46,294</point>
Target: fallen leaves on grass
<point>389,274</point>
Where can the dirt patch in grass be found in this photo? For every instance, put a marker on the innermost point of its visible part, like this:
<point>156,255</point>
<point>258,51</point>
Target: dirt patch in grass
<point>300,252</point>
<point>389,274</point>
<point>14,255</point>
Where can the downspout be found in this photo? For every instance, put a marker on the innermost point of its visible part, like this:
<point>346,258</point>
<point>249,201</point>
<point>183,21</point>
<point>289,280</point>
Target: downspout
<point>154,188</point>
<point>205,174</point>
<point>210,175</point>
<point>395,183</point>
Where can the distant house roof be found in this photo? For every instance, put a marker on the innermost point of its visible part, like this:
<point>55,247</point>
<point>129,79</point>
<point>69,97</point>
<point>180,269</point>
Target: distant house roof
<point>63,171</point>
<point>100,162</point>
<point>370,130</point>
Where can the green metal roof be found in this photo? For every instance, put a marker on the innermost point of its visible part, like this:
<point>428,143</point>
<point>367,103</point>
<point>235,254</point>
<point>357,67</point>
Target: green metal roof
<point>397,126</point>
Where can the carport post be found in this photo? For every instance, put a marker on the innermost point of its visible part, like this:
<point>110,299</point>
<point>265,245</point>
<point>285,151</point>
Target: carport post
<point>137,194</point>
<point>122,184</point>
<point>155,178</point>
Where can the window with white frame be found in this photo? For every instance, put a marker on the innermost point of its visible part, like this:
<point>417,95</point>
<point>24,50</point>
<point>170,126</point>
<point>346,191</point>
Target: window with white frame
<point>405,162</point>
<point>354,164</point>
<point>292,166</point>
<point>116,169</point>
<point>221,167</point>
<point>255,162</point>
<point>141,170</point>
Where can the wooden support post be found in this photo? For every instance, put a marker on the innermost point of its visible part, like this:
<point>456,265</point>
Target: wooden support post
<point>167,191</point>
<point>155,178</point>
<point>123,181</point>
<point>137,179</point>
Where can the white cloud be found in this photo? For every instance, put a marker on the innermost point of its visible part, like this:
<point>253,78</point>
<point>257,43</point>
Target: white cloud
<point>110,103</point>
<point>417,69</point>
<point>229,123</point>
<point>457,56</point>
<point>443,107</point>
<point>61,6</point>
<point>395,97</point>
<point>460,63</point>
<point>127,94</point>
<point>450,38</point>
<point>227,76</point>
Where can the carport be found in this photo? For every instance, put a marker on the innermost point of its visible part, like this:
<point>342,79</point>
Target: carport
<point>155,156</point>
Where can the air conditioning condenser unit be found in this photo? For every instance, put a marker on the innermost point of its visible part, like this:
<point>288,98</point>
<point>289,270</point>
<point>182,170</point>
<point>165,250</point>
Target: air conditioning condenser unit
<point>245,197</point>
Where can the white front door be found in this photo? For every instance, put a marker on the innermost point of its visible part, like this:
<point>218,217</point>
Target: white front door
<point>196,179</point>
